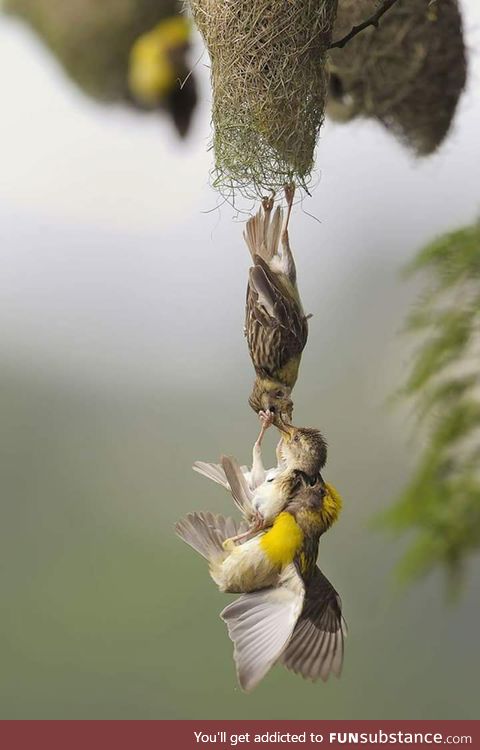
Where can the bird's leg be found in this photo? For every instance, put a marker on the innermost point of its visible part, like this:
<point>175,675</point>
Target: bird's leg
<point>278,452</point>
<point>267,205</point>
<point>258,470</point>
<point>257,478</point>
<point>287,251</point>
<point>258,525</point>
<point>289,196</point>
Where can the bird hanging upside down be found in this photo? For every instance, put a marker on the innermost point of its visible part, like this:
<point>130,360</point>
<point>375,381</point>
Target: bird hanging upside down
<point>289,611</point>
<point>261,495</point>
<point>276,327</point>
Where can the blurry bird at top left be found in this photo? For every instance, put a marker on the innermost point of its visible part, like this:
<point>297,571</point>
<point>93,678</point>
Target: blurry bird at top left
<point>130,51</point>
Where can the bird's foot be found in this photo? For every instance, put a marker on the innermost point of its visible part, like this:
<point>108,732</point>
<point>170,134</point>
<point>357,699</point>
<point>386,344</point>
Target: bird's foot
<point>229,544</point>
<point>258,522</point>
<point>289,190</point>
<point>266,418</point>
<point>267,203</point>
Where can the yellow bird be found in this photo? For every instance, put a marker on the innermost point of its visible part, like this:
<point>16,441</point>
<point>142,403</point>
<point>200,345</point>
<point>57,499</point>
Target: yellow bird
<point>131,51</point>
<point>289,611</point>
<point>158,72</point>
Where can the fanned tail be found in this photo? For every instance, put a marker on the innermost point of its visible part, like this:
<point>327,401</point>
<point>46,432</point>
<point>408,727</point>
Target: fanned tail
<point>206,532</point>
<point>211,471</point>
<point>241,493</point>
<point>262,235</point>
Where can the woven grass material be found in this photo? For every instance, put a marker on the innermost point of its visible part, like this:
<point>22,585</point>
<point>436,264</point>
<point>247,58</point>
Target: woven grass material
<point>408,73</point>
<point>269,83</point>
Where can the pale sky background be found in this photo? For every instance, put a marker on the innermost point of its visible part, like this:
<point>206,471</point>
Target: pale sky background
<point>103,235</point>
<point>122,293</point>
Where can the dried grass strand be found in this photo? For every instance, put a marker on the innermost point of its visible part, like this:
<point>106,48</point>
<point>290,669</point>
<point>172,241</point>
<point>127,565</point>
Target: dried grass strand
<point>269,82</point>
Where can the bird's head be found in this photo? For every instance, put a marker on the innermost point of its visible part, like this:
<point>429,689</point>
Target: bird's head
<point>158,70</point>
<point>303,449</point>
<point>316,507</point>
<point>269,395</point>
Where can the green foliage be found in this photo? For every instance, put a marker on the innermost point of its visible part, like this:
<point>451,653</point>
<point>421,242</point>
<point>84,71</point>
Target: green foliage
<point>440,506</point>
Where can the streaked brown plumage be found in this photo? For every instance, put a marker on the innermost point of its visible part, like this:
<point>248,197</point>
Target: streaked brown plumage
<point>302,449</point>
<point>276,326</point>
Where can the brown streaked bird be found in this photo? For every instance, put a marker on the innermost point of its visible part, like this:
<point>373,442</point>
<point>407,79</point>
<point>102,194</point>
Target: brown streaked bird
<point>261,495</point>
<point>276,326</point>
<point>302,449</point>
<point>302,453</point>
<point>289,612</point>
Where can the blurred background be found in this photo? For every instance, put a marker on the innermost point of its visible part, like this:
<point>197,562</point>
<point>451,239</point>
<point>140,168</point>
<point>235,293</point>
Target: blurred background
<point>122,285</point>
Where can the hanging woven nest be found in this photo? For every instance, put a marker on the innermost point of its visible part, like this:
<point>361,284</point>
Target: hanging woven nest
<point>269,83</point>
<point>408,73</point>
<point>93,40</point>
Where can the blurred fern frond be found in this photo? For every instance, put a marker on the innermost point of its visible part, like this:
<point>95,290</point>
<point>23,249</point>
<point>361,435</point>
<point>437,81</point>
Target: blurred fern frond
<point>440,506</point>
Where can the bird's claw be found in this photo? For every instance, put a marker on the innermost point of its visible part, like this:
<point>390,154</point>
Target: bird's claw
<point>289,190</point>
<point>267,203</point>
<point>266,418</point>
<point>229,544</point>
<point>258,524</point>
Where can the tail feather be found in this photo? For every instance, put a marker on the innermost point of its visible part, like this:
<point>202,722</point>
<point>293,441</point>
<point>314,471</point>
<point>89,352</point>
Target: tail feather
<point>274,233</point>
<point>206,532</point>
<point>242,496</point>
<point>262,235</point>
<point>211,471</point>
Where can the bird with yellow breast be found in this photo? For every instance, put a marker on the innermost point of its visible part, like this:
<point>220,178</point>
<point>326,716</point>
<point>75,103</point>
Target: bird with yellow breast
<point>289,611</point>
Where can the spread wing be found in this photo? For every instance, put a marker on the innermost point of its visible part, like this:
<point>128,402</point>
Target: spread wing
<point>275,324</point>
<point>317,644</point>
<point>261,623</point>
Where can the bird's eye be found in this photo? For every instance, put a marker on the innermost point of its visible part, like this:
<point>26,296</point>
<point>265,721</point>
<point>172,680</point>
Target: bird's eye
<point>280,394</point>
<point>271,409</point>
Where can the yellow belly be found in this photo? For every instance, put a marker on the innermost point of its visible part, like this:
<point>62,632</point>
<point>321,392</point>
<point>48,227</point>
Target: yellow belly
<point>246,568</point>
<point>283,541</point>
<point>257,564</point>
<point>288,374</point>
